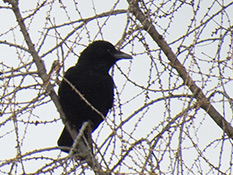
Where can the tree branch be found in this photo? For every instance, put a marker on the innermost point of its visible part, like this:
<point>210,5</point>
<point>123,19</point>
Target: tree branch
<point>175,63</point>
<point>41,70</point>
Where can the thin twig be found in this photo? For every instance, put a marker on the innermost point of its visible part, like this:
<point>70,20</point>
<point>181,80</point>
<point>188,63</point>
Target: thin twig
<point>41,70</point>
<point>204,103</point>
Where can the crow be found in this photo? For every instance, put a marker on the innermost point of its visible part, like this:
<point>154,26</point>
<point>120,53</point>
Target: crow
<point>91,78</point>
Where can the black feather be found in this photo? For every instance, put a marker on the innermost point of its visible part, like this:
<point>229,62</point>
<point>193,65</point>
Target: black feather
<point>91,78</point>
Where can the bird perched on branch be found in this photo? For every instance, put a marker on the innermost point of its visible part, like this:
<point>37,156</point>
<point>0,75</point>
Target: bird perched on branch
<point>90,77</point>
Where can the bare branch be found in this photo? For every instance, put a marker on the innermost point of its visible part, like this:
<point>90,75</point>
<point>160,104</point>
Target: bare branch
<point>44,76</point>
<point>175,63</point>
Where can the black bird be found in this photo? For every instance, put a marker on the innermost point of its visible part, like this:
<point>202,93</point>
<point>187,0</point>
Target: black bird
<point>91,78</point>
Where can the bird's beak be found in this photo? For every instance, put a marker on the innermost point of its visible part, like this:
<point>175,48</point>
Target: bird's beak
<point>121,55</point>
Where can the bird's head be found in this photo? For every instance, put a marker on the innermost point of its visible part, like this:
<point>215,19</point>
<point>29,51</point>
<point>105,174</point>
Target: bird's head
<point>102,54</point>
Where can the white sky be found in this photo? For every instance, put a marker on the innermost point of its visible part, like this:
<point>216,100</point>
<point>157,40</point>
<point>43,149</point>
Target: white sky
<point>46,135</point>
